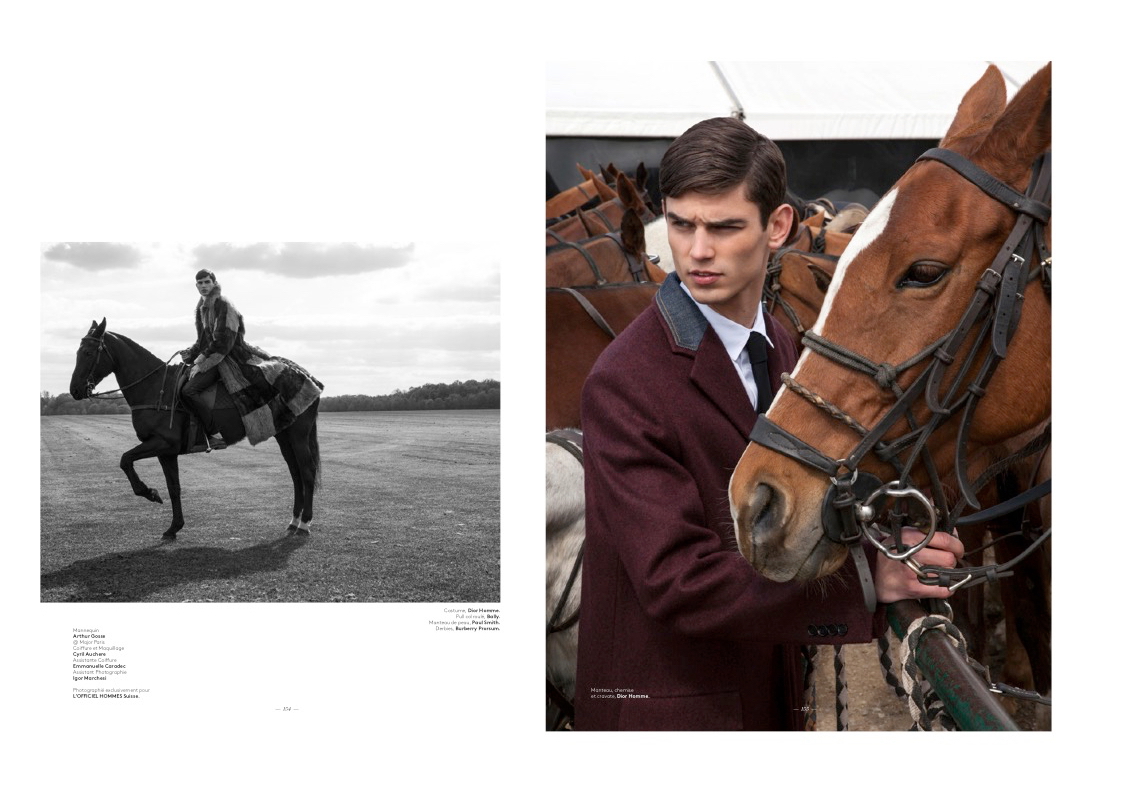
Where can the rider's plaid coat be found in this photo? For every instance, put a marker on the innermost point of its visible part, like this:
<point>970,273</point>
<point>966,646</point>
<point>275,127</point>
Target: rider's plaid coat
<point>270,392</point>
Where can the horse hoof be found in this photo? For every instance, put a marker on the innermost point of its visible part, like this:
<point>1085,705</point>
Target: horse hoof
<point>303,533</point>
<point>168,536</point>
<point>154,496</point>
<point>292,530</point>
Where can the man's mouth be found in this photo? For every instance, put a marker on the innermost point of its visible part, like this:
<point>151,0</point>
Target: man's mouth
<point>703,277</point>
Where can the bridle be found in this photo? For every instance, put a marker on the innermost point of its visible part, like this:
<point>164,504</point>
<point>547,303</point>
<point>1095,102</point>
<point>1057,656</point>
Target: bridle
<point>636,266</point>
<point>772,293</point>
<point>855,498</point>
<point>91,383</point>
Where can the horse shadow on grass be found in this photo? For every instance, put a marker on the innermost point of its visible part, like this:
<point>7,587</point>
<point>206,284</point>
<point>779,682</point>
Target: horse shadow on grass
<point>137,575</point>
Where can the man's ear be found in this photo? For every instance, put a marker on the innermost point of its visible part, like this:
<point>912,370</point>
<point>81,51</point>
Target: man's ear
<point>780,225</point>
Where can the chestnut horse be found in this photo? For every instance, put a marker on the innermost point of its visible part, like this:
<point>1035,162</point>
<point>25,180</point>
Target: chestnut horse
<point>606,258</point>
<point>575,337</point>
<point>913,373</point>
<point>580,194</point>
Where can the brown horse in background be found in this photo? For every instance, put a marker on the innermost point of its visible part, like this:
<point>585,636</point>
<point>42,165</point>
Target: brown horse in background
<point>574,339</point>
<point>605,258</point>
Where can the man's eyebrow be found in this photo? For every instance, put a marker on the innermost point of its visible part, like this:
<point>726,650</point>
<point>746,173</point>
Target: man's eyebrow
<point>734,221</point>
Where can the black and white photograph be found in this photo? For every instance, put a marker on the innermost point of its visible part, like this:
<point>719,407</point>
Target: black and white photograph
<point>229,400</point>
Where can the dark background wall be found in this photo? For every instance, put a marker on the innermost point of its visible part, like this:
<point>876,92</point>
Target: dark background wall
<point>841,170</point>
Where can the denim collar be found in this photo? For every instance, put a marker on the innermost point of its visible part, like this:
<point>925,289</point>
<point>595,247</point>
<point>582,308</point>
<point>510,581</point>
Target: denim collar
<point>681,313</point>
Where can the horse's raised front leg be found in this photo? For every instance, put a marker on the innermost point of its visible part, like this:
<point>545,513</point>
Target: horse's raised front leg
<point>151,447</point>
<point>170,464</point>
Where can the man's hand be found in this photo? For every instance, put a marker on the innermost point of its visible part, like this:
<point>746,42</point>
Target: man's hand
<point>895,581</point>
<point>184,353</point>
<point>194,371</point>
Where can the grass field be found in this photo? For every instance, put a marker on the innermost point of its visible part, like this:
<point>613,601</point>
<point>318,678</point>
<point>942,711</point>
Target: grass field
<point>408,511</point>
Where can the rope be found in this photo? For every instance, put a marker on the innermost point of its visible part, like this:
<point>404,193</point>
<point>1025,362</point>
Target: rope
<point>927,710</point>
<point>834,411</point>
<point>811,716</point>
<point>841,691</point>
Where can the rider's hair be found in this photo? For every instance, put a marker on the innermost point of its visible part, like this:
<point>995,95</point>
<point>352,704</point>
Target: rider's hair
<point>716,155</point>
<point>205,273</point>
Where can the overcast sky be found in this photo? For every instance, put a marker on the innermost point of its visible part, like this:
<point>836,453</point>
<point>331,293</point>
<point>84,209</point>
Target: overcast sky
<point>338,309</point>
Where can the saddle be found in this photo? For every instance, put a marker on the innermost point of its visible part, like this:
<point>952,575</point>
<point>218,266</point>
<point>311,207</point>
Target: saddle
<point>200,428</point>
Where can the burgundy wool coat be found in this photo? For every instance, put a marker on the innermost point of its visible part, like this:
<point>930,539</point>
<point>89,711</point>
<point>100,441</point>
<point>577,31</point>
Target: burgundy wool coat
<point>677,631</point>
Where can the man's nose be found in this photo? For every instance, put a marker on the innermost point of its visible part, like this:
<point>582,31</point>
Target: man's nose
<point>701,247</point>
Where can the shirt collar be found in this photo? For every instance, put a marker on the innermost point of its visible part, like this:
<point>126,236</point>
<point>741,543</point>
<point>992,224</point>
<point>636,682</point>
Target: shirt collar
<point>733,335</point>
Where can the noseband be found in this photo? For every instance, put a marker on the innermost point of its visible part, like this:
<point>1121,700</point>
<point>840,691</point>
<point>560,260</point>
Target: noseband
<point>90,382</point>
<point>855,498</point>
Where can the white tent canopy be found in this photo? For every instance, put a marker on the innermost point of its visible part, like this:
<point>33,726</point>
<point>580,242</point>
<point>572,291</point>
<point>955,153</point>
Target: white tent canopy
<point>783,100</point>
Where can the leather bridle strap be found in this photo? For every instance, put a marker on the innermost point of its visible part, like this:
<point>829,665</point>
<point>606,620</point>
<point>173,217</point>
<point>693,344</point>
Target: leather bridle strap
<point>995,188</point>
<point>590,309</point>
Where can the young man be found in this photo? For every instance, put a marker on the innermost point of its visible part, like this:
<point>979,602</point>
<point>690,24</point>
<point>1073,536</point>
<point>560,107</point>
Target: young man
<point>677,631</point>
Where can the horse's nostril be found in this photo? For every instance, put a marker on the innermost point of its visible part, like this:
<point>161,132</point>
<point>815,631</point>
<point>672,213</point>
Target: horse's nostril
<point>764,505</point>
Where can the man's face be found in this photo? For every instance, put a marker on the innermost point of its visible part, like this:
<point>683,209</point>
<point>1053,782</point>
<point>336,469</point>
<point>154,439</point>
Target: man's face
<point>204,285</point>
<point>721,249</point>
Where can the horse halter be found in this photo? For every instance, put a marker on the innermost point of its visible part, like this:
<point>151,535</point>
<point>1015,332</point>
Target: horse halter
<point>91,383</point>
<point>855,498</point>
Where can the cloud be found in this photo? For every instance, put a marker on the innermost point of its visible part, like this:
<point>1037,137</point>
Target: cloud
<point>301,259</point>
<point>95,255</point>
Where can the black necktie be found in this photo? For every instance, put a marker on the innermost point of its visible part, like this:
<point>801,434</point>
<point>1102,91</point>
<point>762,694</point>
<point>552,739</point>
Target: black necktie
<point>758,355</point>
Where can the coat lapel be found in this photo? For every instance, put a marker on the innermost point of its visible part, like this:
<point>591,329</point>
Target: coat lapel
<point>712,372</point>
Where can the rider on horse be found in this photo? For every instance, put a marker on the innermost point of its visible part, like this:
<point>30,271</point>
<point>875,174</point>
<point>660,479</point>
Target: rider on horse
<point>268,391</point>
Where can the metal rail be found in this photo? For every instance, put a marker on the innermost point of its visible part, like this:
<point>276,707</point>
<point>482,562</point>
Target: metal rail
<point>966,695</point>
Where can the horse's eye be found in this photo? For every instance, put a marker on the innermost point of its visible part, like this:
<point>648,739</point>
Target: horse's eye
<point>923,274</point>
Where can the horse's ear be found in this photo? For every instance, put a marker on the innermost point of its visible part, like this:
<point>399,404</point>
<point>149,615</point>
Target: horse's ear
<point>628,193</point>
<point>605,192</point>
<point>586,174</point>
<point>978,110</point>
<point>641,176</point>
<point>100,328</point>
<point>1024,131</point>
<point>631,231</point>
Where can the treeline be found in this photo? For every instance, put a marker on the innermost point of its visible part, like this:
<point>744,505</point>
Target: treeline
<point>467,395</point>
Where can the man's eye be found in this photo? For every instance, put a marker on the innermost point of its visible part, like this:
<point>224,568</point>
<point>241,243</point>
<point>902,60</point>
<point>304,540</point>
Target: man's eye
<point>923,274</point>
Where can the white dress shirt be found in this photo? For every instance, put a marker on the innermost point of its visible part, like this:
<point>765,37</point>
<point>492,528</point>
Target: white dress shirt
<point>735,338</point>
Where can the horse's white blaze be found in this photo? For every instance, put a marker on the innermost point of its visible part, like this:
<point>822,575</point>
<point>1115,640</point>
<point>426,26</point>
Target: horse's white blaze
<point>869,231</point>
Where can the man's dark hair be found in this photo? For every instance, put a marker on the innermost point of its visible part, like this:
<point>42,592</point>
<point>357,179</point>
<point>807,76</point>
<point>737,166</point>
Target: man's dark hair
<point>719,154</point>
<point>199,276</point>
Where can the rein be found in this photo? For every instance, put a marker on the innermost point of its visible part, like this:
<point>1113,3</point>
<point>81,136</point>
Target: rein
<point>855,498</point>
<point>90,384</point>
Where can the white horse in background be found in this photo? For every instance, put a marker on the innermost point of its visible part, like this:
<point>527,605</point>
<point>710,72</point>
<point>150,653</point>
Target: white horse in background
<point>655,239</point>
<point>565,534</point>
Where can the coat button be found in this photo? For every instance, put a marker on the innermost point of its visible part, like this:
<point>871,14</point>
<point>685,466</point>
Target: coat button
<point>811,630</point>
<point>823,630</point>
<point>842,629</point>
<point>832,630</point>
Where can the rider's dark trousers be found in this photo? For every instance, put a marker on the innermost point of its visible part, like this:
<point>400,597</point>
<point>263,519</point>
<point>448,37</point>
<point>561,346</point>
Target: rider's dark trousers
<point>192,394</point>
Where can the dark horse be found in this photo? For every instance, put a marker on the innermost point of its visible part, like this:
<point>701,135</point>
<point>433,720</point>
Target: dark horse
<point>149,385</point>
